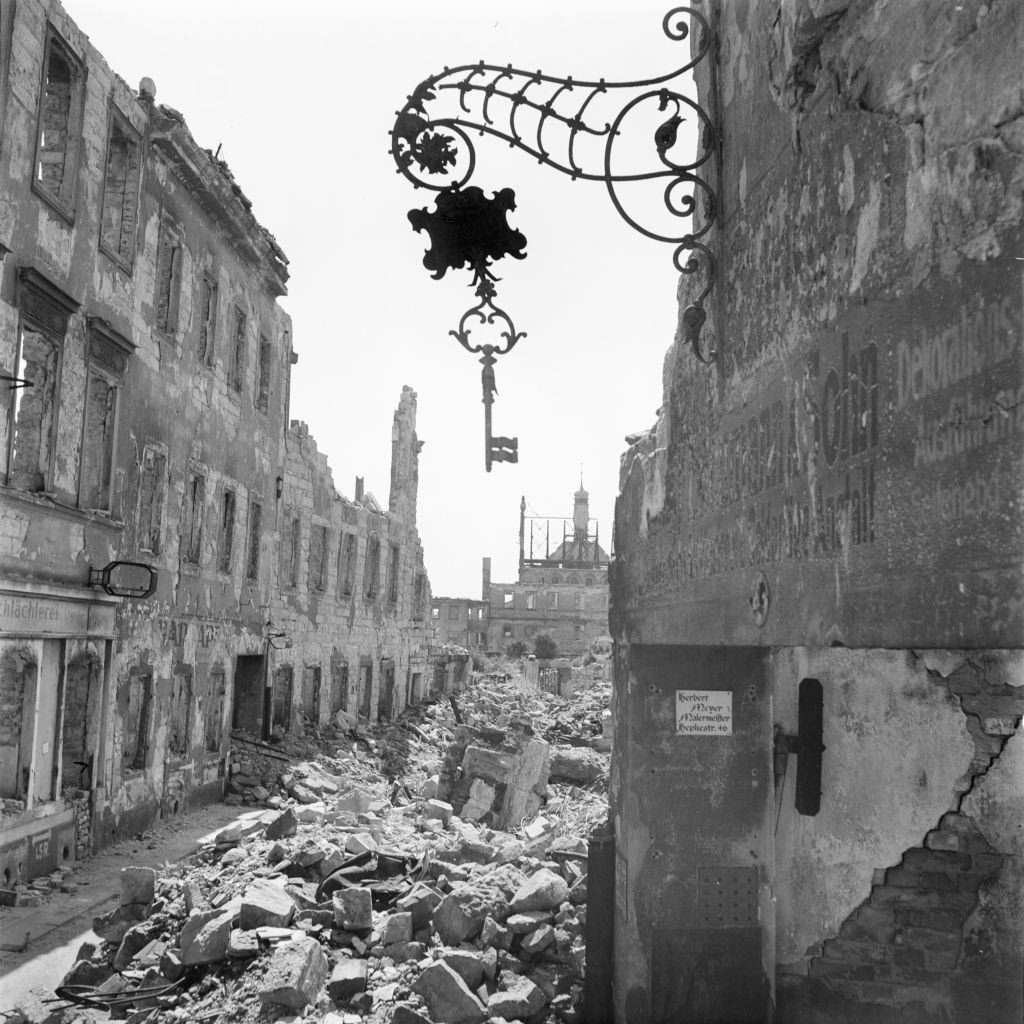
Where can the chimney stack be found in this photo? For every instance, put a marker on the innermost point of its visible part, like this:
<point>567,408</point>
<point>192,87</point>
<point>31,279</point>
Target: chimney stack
<point>485,590</point>
<point>359,488</point>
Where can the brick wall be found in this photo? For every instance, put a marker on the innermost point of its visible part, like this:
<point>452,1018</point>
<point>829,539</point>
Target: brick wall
<point>911,951</point>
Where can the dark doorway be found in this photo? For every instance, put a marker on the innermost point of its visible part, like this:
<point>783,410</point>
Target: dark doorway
<point>387,691</point>
<point>282,719</point>
<point>339,686</point>
<point>311,693</point>
<point>247,713</point>
<point>366,687</point>
<point>80,677</point>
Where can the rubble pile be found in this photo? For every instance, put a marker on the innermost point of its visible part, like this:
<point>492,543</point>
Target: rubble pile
<point>439,876</point>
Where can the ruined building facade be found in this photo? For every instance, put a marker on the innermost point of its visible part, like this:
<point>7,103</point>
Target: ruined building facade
<point>562,588</point>
<point>144,376</point>
<point>818,771</point>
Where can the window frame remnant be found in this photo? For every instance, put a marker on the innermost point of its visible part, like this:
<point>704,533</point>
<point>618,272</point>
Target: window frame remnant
<point>119,217</point>
<point>214,722</point>
<point>531,601</point>
<point>418,587</point>
<point>347,552</point>
<point>192,515</point>
<point>152,495</point>
<point>394,563</point>
<point>371,582</point>
<point>281,710</point>
<point>206,350</point>
<point>61,198</point>
<point>435,612</point>
<point>226,540</point>
<point>136,720</point>
<point>236,367</point>
<point>253,539</point>
<point>453,612</point>
<point>509,599</point>
<point>43,311</point>
<point>291,552</point>
<point>167,284</point>
<point>261,398</point>
<point>179,713</point>
<point>108,353</point>
<point>317,577</point>
<point>552,600</point>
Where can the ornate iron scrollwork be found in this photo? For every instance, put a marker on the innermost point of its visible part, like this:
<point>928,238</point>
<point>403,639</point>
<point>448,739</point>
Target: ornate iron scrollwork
<point>432,146</point>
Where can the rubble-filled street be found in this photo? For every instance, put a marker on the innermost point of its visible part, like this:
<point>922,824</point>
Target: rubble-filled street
<point>430,869</point>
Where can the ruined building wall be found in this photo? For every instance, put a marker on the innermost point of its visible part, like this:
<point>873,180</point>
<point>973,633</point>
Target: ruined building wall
<point>138,294</point>
<point>358,635</point>
<point>836,501</point>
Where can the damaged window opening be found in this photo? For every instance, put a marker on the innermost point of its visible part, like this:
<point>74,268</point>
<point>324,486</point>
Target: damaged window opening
<point>263,375</point>
<point>207,322</point>
<point>531,601</point>
<point>393,566</point>
<point>227,531</point>
<point>179,714</point>
<point>18,673</point>
<point>192,518</point>
<point>417,598</point>
<point>435,612</point>
<point>347,570</point>
<point>98,441</point>
<point>311,692</point>
<point>553,601</point>
<point>152,488</point>
<point>236,370</point>
<point>81,676</point>
<point>215,711</point>
<point>291,546</point>
<point>372,566</point>
<point>252,557</point>
<point>508,597</point>
<point>453,611</point>
<point>34,412</point>
<point>339,687</point>
<point>136,720</point>
<point>318,558</point>
<point>168,277</point>
<point>60,125</point>
<point>120,191</point>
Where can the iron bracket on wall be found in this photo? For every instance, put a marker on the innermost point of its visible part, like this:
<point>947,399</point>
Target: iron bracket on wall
<point>432,146</point>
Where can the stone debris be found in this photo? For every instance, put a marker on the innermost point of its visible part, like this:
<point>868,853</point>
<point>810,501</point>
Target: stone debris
<point>386,884</point>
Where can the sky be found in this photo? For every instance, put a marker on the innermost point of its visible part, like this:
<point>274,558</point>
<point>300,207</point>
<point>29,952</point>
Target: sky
<point>300,98</point>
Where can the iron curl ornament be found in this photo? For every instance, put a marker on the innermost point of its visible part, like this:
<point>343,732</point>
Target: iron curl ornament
<point>556,121</point>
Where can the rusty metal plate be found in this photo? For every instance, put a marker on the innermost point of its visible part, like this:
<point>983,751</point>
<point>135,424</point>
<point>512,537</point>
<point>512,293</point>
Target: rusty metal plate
<point>727,897</point>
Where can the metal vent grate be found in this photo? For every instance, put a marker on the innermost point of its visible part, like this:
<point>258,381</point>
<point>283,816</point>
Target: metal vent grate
<point>727,897</point>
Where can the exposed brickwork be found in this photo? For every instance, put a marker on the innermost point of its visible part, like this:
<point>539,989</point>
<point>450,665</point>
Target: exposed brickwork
<point>899,955</point>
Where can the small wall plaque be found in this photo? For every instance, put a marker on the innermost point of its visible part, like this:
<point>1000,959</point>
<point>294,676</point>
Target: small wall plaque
<point>703,712</point>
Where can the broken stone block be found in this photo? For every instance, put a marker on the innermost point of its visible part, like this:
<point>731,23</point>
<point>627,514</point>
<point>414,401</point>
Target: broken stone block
<point>496,935</point>
<point>466,965</point>
<point>480,802</point>
<point>307,855</point>
<point>265,904</point>
<point>283,825</point>
<point>531,920</point>
<point>333,859</point>
<point>578,893</point>
<point>544,890</point>
<point>396,928</point>
<point>461,914</point>
<point>447,997</point>
<point>420,901</point>
<point>311,812</point>
<point>437,810</point>
<point>355,801</point>
<point>428,787</point>
<point>347,978</point>
<point>360,842</point>
<point>84,972</point>
<point>277,853</point>
<point>113,925</point>
<point>405,1014</point>
<point>353,909</point>
<point>134,939</point>
<point>171,966</point>
<point>510,852</point>
<point>138,885</point>
<point>519,1001</point>
<point>192,896</point>
<point>489,963</point>
<point>298,970</point>
<point>243,944</point>
<point>576,764</point>
<point>400,951</point>
<point>204,938</point>
<point>538,940</point>
<point>233,856</point>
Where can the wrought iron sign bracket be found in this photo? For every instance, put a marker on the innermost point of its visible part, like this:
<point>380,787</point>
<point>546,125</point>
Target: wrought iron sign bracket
<point>432,147</point>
